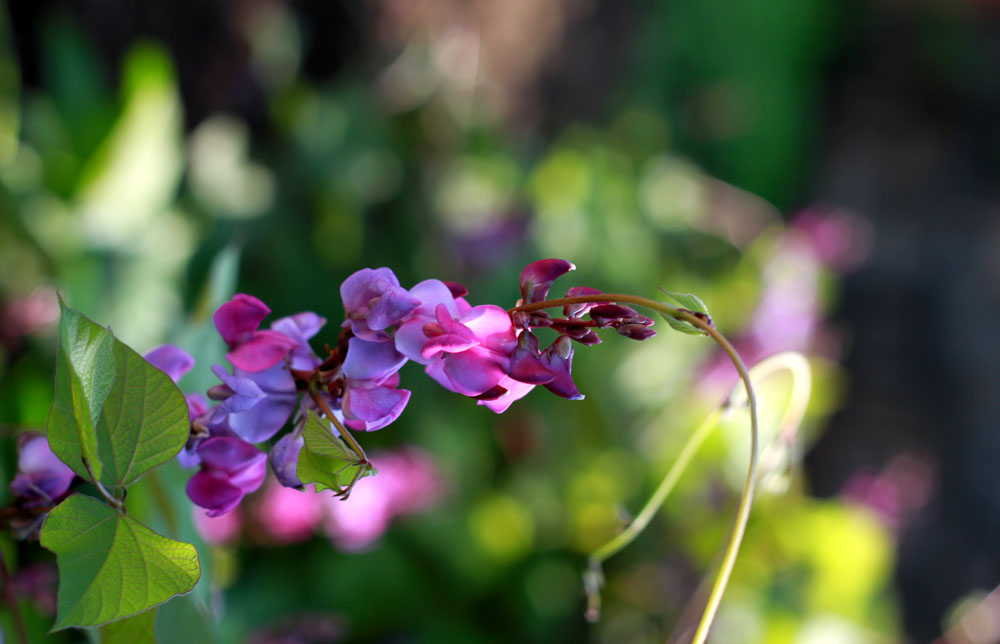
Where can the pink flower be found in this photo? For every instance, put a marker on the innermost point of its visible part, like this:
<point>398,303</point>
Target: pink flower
<point>466,349</point>
<point>407,482</point>
<point>287,515</point>
<point>218,530</point>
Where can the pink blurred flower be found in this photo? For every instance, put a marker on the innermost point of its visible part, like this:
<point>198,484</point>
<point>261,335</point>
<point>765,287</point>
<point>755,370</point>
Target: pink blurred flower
<point>408,481</point>
<point>287,515</point>
<point>218,530</point>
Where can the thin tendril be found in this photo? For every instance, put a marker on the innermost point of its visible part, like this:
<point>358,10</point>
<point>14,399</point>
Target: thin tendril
<point>746,499</point>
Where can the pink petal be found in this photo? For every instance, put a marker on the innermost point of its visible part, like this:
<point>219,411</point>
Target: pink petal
<point>238,318</point>
<point>213,492</point>
<point>537,278</point>
<point>265,349</point>
<point>475,371</point>
<point>410,340</point>
<point>431,293</point>
<point>515,391</point>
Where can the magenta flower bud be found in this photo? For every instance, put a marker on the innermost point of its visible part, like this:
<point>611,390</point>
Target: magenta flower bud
<point>577,310</point>
<point>457,290</point>
<point>537,278</point>
<point>635,331</point>
<point>607,314</point>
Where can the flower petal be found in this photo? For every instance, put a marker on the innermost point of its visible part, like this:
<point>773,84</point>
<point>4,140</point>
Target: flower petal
<point>228,454</point>
<point>239,318</point>
<point>265,349</point>
<point>537,278</point>
<point>373,408</point>
<point>171,360</point>
<point>475,371</point>
<point>284,459</point>
<point>372,361</point>
<point>213,492</point>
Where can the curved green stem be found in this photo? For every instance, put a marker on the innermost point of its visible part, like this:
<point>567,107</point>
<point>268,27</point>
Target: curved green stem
<point>746,499</point>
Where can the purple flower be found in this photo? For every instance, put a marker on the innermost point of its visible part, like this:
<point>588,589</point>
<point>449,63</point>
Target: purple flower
<point>300,328</point>
<point>175,362</point>
<point>284,458</point>
<point>257,404</point>
<point>42,479</point>
<point>374,301</point>
<point>371,400</point>
<point>230,468</point>
<point>537,278</point>
<point>251,349</point>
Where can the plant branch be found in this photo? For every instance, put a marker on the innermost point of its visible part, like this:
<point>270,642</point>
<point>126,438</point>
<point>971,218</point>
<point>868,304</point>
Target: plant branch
<point>344,433</point>
<point>112,501</point>
<point>10,596</point>
<point>746,499</point>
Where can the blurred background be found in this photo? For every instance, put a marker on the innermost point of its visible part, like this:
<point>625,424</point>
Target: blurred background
<point>823,173</point>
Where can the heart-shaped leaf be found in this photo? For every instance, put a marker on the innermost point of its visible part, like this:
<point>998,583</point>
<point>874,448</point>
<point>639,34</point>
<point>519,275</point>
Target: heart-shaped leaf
<point>110,565</point>
<point>112,407</point>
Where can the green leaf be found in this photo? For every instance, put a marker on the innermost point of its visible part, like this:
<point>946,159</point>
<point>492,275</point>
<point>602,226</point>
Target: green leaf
<point>325,459</point>
<point>110,565</point>
<point>85,375</point>
<point>125,415</point>
<point>137,629</point>
<point>692,303</point>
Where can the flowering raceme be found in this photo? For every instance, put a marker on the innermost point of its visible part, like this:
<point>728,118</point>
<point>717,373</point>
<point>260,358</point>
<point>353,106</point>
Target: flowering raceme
<point>483,352</point>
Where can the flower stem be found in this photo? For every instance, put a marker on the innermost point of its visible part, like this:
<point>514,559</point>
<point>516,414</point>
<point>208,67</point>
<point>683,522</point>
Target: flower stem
<point>749,487</point>
<point>112,501</point>
<point>344,433</point>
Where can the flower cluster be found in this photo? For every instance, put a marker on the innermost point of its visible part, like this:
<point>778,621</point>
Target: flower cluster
<point>484,352</point>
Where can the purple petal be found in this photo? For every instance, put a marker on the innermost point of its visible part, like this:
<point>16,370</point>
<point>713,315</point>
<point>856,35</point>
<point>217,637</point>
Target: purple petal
<point>526,365</point>
<point>357,290</point>
<point>265,419</point>
<point>515,391</point>
<point>410,340</point>
<point>239,318</point>
<point>284,458</point>
<point>197,405</point>
<point>301,327</point>
<point>457,290</point>
<point>246,392</point>
<point>228,454</point>
<point>559,358</point>
<point>263,350</point>
<point>537,278</point>
<point>394,305</point>
<point>252,476</point>
<point>374,361</point>
<point>375,407</point>
<point>213,492</point>
<point>435,369</point>
<point>171,360</point>
<point>431,293</point>
<point>475,371</point>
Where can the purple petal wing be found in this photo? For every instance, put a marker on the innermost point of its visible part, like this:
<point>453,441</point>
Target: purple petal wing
<point>373,407</point>
<point>213,492</point>
<point>372,361</point>
<point>171,360</point>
